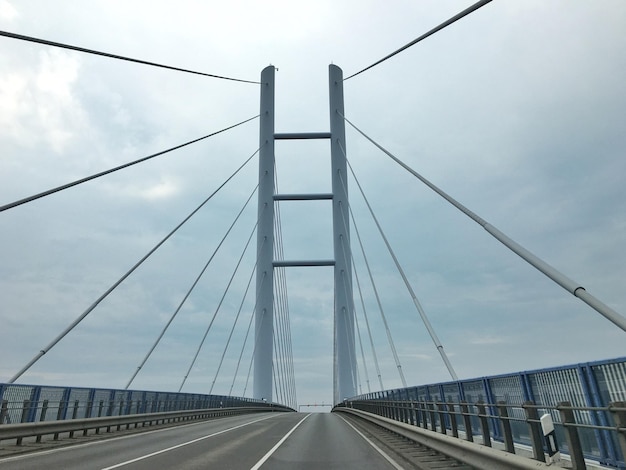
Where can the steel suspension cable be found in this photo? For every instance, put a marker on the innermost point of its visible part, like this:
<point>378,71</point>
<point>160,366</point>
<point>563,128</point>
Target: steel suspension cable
<point>418,306</point>
<point>219,305</point>
<point>230,334</point>
<point>256,341</point>
<point>186,296</point>
<point>245,341</point>
<point>46,42</point>
<point>121,167</point>
<point>436,29</point>
<point>573,287</point>
<point>380,307</point>
<point>279,388</point>
<point>282,285</point>
<point>351,298</point>
<point>367,323</point>
<point>358,330</point>
<point>345,222</point>
<point>283,313</point>
<point>280,357</point>
<point>128,273</point>
<point>350,338</point>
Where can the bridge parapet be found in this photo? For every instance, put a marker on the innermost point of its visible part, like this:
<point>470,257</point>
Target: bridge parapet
<point>37,403</point>
<point>585,401</point>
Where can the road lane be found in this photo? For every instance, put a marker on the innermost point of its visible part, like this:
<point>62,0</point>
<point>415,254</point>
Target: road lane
<point>326,441</point>
<point>106,453</point>
<point>261,440</point>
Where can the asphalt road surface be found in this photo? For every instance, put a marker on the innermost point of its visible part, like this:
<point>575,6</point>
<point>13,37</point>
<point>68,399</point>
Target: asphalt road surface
<point>256,441</point>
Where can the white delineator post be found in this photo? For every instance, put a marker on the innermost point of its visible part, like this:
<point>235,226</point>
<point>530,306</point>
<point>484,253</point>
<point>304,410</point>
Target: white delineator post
<point>345,362</point>
<point>264,314</point>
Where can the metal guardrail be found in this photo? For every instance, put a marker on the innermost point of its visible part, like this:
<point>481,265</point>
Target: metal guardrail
<point>499,422</point>
<point>591,386</point>
<point>475,455</point>
<point>31,403</point>
<point>38,429</point>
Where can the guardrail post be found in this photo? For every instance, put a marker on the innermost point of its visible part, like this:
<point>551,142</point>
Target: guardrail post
<point>44,411</point>
<point>433,417</point>
<point>619,416</point>
<point>452,414</point>
<point>571,434</point>
<point>414,420</point>
<point>442,418</point>
<point>4,410</point>
<point>532,418</point>
<point>505,426</point>
<point>60,415</point>
<point>467,422</point>
<point>484,423</point>
<point>74,415</point>
<point>24,418</point>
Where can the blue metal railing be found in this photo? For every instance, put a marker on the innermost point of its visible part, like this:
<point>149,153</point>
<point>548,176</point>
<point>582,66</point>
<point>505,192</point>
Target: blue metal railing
<point>33,403</point>
<point>592,385</point>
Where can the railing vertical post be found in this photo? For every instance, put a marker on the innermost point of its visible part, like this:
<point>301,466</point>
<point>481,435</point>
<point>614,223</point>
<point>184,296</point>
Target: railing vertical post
<point>619,416</point>
<point>423,414</point>
<point>24,418</point>
<point>433,417</point>
<point>452,414</point>
<point>44,411</point>
<point>484,423</point>
<point>571,434</point>
<point>74,415</point>
<point>467,422</point>
<point>4,411</point>
<point>532,418</point>
<point>505,426</point>
<point>442,417</point>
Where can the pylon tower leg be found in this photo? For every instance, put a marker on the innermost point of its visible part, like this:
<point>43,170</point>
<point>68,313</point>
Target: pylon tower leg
<point>344,356</point>
<point>264,313</point>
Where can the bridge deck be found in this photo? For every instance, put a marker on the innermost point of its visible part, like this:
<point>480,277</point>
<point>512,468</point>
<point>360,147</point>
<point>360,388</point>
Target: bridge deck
<point>321,440</point>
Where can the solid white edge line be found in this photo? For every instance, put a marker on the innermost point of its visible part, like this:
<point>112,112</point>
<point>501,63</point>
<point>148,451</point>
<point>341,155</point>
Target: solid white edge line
<point>278,444</point>
<point>143,457</point>
<point>395,464</point>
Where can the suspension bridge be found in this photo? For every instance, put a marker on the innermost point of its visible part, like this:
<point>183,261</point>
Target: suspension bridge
<point>245,328</point>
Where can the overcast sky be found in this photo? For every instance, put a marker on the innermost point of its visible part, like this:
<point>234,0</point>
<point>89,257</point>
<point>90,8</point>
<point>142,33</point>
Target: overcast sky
<point>518,111</point>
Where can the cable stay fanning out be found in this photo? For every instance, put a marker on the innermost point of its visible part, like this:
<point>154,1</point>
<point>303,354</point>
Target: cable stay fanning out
<point>128,273</point>
<point>245,340</point>
<point>356,276</point>
<point>185,297</point>
<point>380,306</point>
<point>219,305</point>
<point>436,29</point>
<point>115,56</point>
<point>552,273</point>
<point>121,167</point>
<point>243,299</point>
<point>356,321</point>
<point>416,302</point>
<point>232,330</point>
<point>367,325</point>
<point>282,307</point>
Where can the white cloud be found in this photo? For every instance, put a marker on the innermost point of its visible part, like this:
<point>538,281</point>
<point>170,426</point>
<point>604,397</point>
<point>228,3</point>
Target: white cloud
<point>7,11</point>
